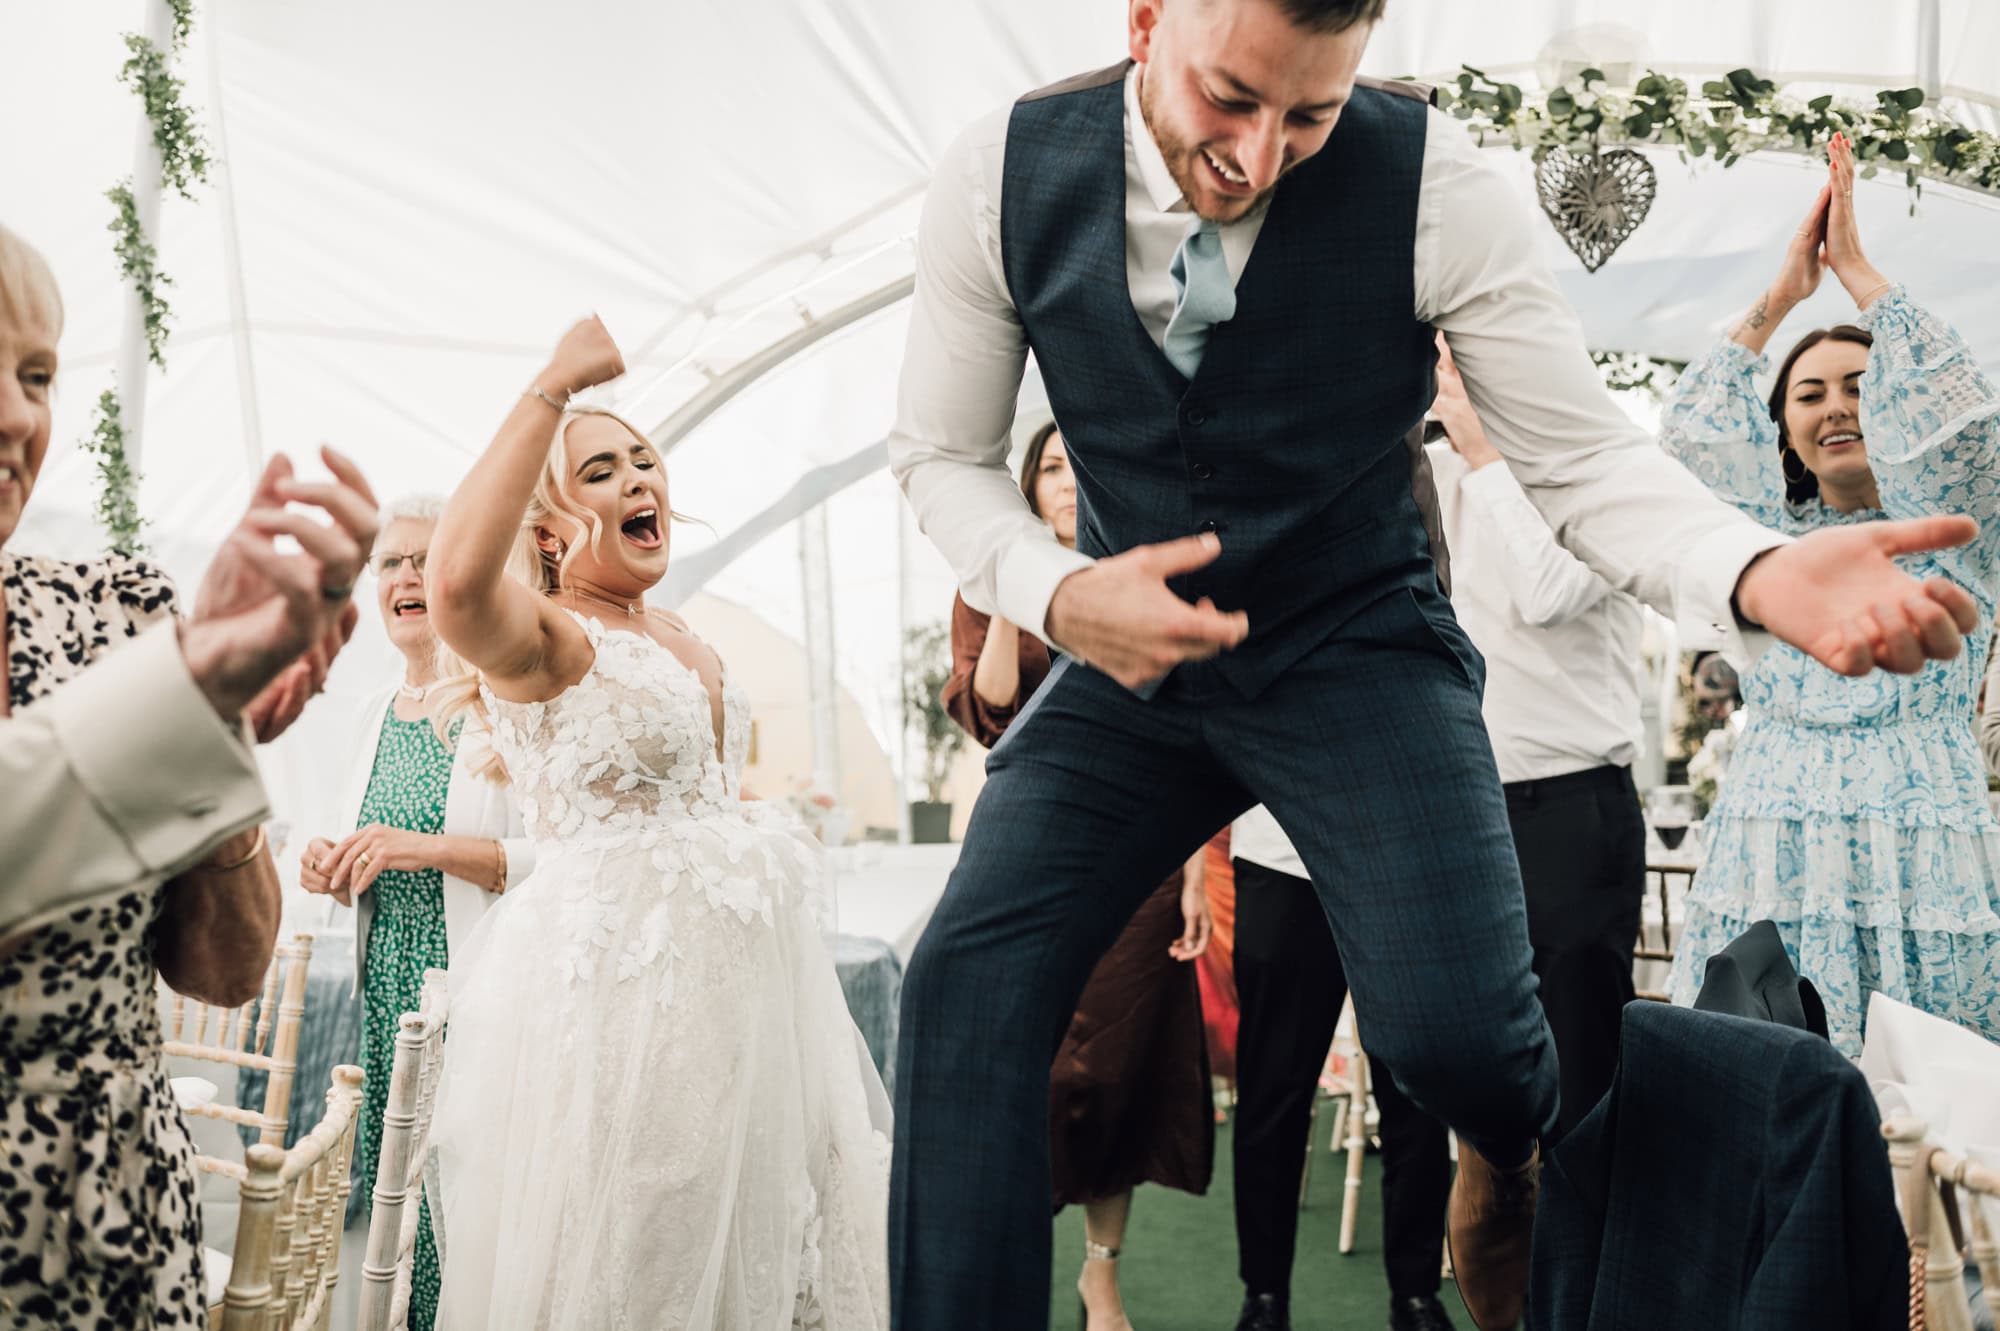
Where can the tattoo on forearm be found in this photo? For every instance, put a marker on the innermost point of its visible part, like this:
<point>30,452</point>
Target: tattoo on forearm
<point>1759,316</point>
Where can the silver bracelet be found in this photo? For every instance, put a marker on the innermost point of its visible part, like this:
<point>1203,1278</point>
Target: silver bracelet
<point>535,390</point>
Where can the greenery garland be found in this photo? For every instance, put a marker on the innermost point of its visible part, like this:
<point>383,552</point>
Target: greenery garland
<point>1737,114</point>
<point>117,499</point>
<point>1628,372</point>
<point>183,11</point>
<point>184,163</point>
<point>183,151</point>
<point>135,260</point>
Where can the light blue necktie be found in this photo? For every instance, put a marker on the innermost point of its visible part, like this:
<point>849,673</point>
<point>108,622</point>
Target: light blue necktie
<point>1204,296</point>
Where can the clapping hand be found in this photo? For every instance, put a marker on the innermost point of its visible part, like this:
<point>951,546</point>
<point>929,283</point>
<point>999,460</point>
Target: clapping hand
<point>1863,280</point>
<point>267,625</point>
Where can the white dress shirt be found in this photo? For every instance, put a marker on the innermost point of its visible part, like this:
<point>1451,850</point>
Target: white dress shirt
<point>1635,515</point>
<point>1561,645</point>
<point>1256,837</point>
<point>118,780</point>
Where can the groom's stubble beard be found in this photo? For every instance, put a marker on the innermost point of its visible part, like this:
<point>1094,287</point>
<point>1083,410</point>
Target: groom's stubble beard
<point>1186,171</point>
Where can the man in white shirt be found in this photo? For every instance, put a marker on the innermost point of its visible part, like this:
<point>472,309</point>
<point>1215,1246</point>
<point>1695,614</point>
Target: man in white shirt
<point>1563,675</point>
<point>1290,987</point>
<point>1251,614</point>
<point>1562,710</point>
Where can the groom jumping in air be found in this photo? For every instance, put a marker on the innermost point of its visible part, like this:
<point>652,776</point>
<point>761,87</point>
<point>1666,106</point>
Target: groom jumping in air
<point>1229,257</point>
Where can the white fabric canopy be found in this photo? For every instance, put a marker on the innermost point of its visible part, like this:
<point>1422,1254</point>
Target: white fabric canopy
<point>416,200</point>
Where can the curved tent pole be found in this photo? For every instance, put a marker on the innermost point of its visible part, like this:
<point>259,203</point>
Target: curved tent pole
<point>690,573</point>
<point>146,170</point>
<point>717,394</point>
<point>821,244</point>
<point>1930,53</point>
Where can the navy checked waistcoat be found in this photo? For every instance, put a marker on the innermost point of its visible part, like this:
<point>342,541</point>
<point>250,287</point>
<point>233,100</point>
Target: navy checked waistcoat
<point>1290,442</point>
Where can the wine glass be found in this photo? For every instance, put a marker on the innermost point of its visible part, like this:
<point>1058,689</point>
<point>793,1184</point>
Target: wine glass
<point>1669,810</point>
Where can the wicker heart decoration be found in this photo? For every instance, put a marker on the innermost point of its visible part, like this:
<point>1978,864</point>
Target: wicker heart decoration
<point>1595,200</point>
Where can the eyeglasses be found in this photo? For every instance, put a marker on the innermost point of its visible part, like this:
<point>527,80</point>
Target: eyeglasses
<point>388,566</point>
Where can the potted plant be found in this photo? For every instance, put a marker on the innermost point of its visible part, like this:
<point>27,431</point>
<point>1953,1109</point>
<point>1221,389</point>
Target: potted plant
<point>926,668</point>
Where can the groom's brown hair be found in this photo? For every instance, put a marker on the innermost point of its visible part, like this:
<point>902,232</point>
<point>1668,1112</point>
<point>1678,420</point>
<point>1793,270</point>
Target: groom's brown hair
<point>1331,15</point>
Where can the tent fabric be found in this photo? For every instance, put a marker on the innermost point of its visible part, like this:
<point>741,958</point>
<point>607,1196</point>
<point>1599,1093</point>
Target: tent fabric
<point>414,201</point>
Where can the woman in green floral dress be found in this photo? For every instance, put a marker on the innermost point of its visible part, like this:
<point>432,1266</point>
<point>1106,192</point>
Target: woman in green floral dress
<point>435,840</point>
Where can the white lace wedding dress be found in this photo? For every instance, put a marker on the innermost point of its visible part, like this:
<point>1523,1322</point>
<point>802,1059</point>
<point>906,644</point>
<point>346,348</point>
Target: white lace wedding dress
<point>656,1111</point>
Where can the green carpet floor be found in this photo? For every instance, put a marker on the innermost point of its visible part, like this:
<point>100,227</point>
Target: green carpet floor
<point>1178,1271</point>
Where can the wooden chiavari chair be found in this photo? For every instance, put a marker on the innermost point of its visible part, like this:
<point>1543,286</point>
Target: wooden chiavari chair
<point>1940,1193</point>
<point>286,1260</point>
<point>262,1035</point>
<point>401,1171</point>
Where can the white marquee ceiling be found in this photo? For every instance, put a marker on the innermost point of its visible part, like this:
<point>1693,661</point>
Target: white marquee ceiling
<point>418,198</point>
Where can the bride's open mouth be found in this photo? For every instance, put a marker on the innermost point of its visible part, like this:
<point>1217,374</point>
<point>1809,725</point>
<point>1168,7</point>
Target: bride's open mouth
<point>643,528</point>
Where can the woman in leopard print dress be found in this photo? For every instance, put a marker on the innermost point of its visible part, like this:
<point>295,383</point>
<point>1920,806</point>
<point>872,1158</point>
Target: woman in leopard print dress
<point>98,1221</point>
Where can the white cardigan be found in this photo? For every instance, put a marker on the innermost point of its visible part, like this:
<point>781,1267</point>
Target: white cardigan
<point>473,807</point>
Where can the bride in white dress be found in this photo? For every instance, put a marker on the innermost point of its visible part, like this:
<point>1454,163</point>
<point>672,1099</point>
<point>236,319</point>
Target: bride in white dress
<point>656,1111</point>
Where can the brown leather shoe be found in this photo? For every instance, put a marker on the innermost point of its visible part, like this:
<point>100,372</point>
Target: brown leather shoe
<point>1490,1225</point>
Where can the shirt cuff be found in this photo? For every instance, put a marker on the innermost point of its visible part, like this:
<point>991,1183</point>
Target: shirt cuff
<point>520,856</point>
<point>1705,590</point>
<point>1489,485</point>
<point>1026,578</point>
<point>150,750</point>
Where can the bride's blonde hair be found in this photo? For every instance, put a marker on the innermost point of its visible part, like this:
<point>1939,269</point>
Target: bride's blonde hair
<point>457,691</point>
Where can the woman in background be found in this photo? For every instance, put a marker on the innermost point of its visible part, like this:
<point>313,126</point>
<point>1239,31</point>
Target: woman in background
<point>1855,814</point>
<point>1129,1095</point>
<point>435,839</point>
<point>99,1221</point>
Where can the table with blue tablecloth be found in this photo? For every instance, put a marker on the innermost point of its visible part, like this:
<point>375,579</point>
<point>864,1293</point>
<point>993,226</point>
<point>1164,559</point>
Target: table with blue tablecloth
<point>871,976</point>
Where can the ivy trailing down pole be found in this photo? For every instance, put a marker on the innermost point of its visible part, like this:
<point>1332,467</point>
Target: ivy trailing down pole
<point>184,162</point>
<point>118,488</point>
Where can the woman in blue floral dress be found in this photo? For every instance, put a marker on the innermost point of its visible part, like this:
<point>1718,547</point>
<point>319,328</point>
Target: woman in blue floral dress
<point>1855,814</point>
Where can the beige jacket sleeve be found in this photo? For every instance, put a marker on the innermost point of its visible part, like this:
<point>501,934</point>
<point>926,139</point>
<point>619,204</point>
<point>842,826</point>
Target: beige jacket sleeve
<point>122,777</point>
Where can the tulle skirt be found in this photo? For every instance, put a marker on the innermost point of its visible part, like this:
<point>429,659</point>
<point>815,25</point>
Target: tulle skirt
<point>656,1111</point>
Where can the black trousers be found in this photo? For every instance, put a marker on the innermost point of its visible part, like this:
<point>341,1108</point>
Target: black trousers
<point>1581,840</point>
<point>1291,985</point>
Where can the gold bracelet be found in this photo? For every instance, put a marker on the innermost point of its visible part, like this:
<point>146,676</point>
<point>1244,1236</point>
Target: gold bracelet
<point>535,390</point>
<point>256,849</point>
<point>1873,292</point>
<point>499,868</point>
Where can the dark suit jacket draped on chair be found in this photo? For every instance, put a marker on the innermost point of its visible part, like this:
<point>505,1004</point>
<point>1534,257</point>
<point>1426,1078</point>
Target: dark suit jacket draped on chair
<point>1735,1177</point>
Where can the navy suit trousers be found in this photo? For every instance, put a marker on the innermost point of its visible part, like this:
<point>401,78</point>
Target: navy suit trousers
<point>1372,755</point>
